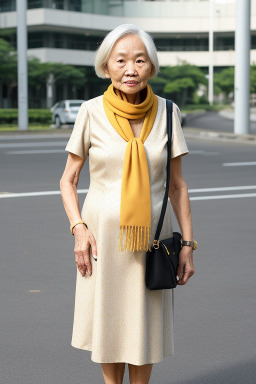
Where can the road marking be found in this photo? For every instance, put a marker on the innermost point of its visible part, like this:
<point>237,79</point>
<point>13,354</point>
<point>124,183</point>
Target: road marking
<point>244,163</point>
<point>38,144</point>
<point>239,188</point>
<point>35,136</point>
<point>203,152</point>
<point>42,151</point>
<point>35,151</point>
<point>4,195</point>
<point>223,196</point>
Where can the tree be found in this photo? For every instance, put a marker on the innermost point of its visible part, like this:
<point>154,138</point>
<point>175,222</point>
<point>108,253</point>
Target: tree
<point>63,74</point>
<point>179,82</point>
<point>224,81</point>
<point>8,66</point>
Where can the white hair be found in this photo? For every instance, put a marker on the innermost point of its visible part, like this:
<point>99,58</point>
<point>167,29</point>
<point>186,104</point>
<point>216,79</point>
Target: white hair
<point>105,48</point>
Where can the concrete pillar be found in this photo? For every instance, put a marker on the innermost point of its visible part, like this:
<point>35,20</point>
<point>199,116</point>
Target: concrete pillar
<point>211,32</point>
<point>242,67</point>
<point>49,91</point>
<point>22,65</point>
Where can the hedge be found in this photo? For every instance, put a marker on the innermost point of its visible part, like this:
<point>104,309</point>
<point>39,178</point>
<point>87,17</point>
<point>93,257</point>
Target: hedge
<point>10,116</point>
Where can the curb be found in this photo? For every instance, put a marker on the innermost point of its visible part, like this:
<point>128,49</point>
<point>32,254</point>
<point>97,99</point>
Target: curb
<point>196,133</point>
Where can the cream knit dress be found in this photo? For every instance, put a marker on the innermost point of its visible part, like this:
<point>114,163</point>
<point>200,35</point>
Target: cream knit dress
<point>115,316</point>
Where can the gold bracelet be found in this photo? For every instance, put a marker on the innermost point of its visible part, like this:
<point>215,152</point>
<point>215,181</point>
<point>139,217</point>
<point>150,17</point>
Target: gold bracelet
<point>77,222</point>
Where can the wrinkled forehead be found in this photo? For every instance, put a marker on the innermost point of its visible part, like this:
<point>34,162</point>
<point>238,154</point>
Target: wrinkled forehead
<point>129,44</point>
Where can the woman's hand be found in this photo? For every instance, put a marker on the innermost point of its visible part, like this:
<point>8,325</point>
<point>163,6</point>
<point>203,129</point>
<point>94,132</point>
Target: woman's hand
<point>83,239</point>
<point>186,266</point>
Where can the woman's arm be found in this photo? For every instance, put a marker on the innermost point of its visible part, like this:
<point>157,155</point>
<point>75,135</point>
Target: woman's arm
<point>83,237</point>
<point>68,187</point>
<point>178,194</point>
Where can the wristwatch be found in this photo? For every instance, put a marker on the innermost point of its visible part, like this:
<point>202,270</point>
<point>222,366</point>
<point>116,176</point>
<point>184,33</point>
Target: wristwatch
<point>192,244</point>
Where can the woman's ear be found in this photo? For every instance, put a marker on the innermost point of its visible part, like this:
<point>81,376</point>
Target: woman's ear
<point>106,71</point>
<point>152,70</point>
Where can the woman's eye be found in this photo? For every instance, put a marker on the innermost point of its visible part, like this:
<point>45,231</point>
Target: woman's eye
<point>138,61</point>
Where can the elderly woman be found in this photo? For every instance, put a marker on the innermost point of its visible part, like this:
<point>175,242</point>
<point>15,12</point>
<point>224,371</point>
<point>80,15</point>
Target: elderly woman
<point>124,133</point>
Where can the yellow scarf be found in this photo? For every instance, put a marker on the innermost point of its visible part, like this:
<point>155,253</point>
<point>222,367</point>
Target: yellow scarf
<point>135,210</point>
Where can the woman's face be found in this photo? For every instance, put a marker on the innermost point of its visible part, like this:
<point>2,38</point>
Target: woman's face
<point>129,66</point>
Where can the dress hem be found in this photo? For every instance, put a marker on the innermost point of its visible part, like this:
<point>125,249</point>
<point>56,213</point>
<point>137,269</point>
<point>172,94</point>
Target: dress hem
<point>118,360</point>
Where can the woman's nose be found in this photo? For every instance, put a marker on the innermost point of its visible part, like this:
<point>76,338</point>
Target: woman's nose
<point>130,69</point>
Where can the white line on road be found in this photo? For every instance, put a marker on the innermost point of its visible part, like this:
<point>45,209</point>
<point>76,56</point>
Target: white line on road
<point>35,151</point>
<point>37,144</point>
<point>223,196</point>
<point>4,195</point>
<point>45,151</point>
<point>203,152</point>
<point>239,188</point>
<point>35,136</point>
<point>41,193</point>
<point>244,163</point>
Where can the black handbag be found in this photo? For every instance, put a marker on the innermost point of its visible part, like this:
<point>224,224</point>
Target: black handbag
<point>162,259</point>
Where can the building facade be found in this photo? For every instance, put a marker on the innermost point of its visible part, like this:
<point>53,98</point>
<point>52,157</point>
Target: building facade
<point>69,31</point>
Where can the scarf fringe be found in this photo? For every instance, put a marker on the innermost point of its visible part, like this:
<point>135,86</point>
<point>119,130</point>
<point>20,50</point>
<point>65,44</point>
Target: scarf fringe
<point>136,238</point>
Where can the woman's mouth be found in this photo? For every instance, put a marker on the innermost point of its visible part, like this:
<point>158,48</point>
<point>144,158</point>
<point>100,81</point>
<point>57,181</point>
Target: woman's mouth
<point>131,83</point>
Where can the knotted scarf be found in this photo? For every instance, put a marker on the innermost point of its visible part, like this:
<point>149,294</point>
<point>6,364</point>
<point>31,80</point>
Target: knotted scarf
<point>135,208</point>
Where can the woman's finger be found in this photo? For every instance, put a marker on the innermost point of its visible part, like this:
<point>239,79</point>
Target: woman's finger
<point>82,251</point>
<point>185,277</point>
<point>93,246</point>
<point>180,270</point>
<point>87,261</point>
<point>187,274</point>
<point>80,265</point>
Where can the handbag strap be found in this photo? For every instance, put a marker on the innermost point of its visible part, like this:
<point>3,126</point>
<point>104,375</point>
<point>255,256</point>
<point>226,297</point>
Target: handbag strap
<point>169,106</point>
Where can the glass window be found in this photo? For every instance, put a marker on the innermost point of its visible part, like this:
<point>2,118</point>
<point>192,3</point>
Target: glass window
<point>35,4</point>
<point>7,5</point>
<point>74,104</point>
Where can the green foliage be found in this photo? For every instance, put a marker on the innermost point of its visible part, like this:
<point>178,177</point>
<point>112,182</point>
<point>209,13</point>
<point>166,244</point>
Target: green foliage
<point>224,81</point>
<point>8,62</point>
<point>39,72</point>
<point>253,78</point>
<point>179,83</point>
<point>10,116</point>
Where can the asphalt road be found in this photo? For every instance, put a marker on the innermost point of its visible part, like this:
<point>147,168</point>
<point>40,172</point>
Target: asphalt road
<point>215,328</point>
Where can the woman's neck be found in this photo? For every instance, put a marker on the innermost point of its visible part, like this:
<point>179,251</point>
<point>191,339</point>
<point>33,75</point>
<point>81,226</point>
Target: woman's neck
<point>138,97</point>
<point>133,99</point>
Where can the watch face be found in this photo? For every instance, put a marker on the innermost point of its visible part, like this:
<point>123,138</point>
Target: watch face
<point>195,245</point>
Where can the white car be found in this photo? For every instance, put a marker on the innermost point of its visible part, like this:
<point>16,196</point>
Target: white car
<point>65,112</point>
<point>183,119</point>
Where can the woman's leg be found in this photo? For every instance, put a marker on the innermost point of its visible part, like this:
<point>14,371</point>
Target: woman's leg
<point>140,374</point>
<point>113,373</point>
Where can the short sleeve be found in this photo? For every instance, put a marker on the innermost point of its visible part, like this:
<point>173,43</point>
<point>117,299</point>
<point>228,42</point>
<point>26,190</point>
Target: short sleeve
<point>79,141</point>
<point>179,145</point>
